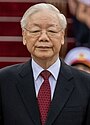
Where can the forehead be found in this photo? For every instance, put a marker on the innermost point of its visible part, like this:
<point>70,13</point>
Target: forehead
<point>44,17</point>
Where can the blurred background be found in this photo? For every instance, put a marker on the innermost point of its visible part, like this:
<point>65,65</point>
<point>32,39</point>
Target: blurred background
<point>12,50</point>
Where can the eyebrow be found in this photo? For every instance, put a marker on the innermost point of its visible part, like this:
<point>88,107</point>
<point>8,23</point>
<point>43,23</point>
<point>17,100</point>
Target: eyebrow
<point>49,25</point>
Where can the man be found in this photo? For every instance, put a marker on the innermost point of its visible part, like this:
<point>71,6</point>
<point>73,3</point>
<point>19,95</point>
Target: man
<point>81,18</point>
<point>83,12</point>
<point>43,28</point>
<point>79,57</point>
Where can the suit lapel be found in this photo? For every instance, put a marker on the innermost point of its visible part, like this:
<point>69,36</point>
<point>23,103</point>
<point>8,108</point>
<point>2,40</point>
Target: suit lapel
<point>62,93</point>
<point>27,92</point>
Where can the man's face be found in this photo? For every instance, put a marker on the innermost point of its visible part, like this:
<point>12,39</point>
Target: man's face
<point>43,35</point>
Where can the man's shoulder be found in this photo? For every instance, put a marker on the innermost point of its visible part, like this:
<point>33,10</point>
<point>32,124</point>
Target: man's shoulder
<point>78,73</point>
<point>10,68</point>
<point>13,69</point>
<point>81,78</point>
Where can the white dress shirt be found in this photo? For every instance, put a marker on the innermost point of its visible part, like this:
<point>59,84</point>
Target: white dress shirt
<point>38,80</point>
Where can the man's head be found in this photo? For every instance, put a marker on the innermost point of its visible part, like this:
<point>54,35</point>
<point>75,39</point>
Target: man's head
<point>39,7</point>
<point>43,28</point>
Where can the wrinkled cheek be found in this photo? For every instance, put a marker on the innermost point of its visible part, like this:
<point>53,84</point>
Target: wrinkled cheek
<point>57,49</point>
<point>29,48</point>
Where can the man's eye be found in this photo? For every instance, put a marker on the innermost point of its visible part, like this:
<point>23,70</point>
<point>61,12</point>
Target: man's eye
<point>35,31</point>
<point>52,31</point>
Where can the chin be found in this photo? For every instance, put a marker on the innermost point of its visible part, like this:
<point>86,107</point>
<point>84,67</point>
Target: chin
<point>44,57</point>
<point>44,54</point>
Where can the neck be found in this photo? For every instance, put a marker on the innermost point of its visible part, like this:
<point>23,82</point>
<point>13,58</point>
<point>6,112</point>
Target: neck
<point>45,63</point>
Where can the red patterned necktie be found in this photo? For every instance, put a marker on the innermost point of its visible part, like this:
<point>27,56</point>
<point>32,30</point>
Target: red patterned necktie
<point>44,96</point>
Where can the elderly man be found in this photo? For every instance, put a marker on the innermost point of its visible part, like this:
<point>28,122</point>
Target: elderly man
<point>44,90</point>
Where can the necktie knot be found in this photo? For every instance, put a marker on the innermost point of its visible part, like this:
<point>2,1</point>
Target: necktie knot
<point>45,74</point>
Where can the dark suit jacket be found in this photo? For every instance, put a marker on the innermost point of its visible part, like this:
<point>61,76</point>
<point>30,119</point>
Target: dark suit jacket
<point>18,103</point>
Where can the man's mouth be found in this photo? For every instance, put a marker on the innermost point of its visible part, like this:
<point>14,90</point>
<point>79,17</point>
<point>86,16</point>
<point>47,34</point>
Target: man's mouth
<point>43,47</point>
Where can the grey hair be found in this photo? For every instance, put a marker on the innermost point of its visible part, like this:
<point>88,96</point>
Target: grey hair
<point>38,7</point>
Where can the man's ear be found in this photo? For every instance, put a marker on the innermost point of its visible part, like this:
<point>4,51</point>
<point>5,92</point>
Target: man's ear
<point>62,37</point>
<point>24,39</point>
<point>62,41</point>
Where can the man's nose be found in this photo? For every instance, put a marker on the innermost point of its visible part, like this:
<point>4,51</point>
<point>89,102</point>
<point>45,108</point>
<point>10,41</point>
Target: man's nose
<point>44,36</point>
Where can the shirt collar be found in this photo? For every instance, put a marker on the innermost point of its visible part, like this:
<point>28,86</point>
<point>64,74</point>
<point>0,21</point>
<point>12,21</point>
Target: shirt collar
<point>54,69</point>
